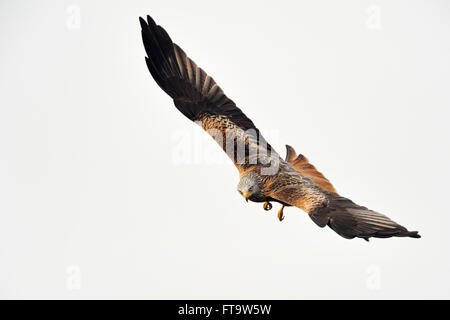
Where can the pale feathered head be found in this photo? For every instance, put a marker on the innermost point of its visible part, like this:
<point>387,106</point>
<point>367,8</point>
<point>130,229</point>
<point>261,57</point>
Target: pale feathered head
<point>250,186</point>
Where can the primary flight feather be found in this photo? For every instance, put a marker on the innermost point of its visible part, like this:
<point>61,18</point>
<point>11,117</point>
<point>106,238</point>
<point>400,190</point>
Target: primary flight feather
<point>264,175</point>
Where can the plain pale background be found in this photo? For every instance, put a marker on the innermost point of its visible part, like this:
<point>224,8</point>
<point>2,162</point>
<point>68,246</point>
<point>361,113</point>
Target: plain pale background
<point>107,191</point>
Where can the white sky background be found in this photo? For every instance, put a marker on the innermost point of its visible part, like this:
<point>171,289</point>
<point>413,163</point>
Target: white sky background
<point>94,203</point>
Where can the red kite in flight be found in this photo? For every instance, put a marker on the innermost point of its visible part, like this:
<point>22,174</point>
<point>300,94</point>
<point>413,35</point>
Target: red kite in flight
<point>264,175</point>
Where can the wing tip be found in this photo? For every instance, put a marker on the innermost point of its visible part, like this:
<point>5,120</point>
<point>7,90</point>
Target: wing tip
<point>150,20</point>
<point>407,234</point>
<point>149,23</point>
<point>413,234</point>
<point>143,23</point>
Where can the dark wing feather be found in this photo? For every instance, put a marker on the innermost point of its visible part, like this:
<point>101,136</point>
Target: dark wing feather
<point>351,220</point>
<point>342,215</point>
<point>194,92</point>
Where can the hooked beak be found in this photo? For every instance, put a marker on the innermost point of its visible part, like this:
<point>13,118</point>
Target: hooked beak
<point>246,195</point>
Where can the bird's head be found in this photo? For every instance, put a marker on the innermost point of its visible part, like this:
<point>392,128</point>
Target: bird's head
<point>250,186</point>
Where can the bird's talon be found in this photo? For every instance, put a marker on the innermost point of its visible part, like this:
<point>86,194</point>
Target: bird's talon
<point>267,206</point>
<point>280,214</point>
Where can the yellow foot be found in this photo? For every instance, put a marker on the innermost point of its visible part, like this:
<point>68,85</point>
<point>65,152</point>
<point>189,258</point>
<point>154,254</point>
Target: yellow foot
<point>280,214</point>
<point>267,206</point>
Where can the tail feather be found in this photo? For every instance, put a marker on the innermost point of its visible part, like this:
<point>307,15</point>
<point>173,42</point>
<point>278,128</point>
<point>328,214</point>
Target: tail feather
<point>302,165</point>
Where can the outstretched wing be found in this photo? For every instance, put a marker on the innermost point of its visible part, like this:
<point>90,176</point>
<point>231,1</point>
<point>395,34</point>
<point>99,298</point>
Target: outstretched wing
<point>342,215</point>
<point>198,97</point>
<point>351,220</point>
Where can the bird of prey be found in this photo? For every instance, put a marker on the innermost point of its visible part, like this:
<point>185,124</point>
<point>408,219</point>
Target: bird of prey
<point>264,176</point>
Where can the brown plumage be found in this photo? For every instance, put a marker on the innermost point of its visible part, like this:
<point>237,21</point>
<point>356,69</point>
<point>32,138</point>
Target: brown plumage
<point>265,176</point>
<point>302,165</point>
